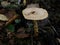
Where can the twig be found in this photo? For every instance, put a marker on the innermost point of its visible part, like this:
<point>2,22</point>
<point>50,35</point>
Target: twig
<point>10,21</point>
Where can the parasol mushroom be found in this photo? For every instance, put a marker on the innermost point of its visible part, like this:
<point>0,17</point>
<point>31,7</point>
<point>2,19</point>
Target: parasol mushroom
<point>3,17</point>
<point>3,20</point>
<point>35,14</point>
<point>5,3</point>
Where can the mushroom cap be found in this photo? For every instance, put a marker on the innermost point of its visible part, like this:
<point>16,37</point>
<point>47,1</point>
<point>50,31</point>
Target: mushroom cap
<point>3,17</point>
<point>35,13</point>
<point>4,3</point>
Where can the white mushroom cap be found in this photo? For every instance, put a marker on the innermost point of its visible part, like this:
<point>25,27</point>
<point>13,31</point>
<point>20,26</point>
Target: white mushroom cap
<point>3,17</point>
<point>4,3</point>
<point>35,13</point>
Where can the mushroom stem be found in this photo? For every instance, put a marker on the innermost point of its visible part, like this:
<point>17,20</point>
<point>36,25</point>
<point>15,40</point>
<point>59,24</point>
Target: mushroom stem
<point>24,2</point>
<point>35,27</point>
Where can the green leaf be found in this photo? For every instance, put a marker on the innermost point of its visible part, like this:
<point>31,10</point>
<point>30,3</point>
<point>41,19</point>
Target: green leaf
<point>11,27</point>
